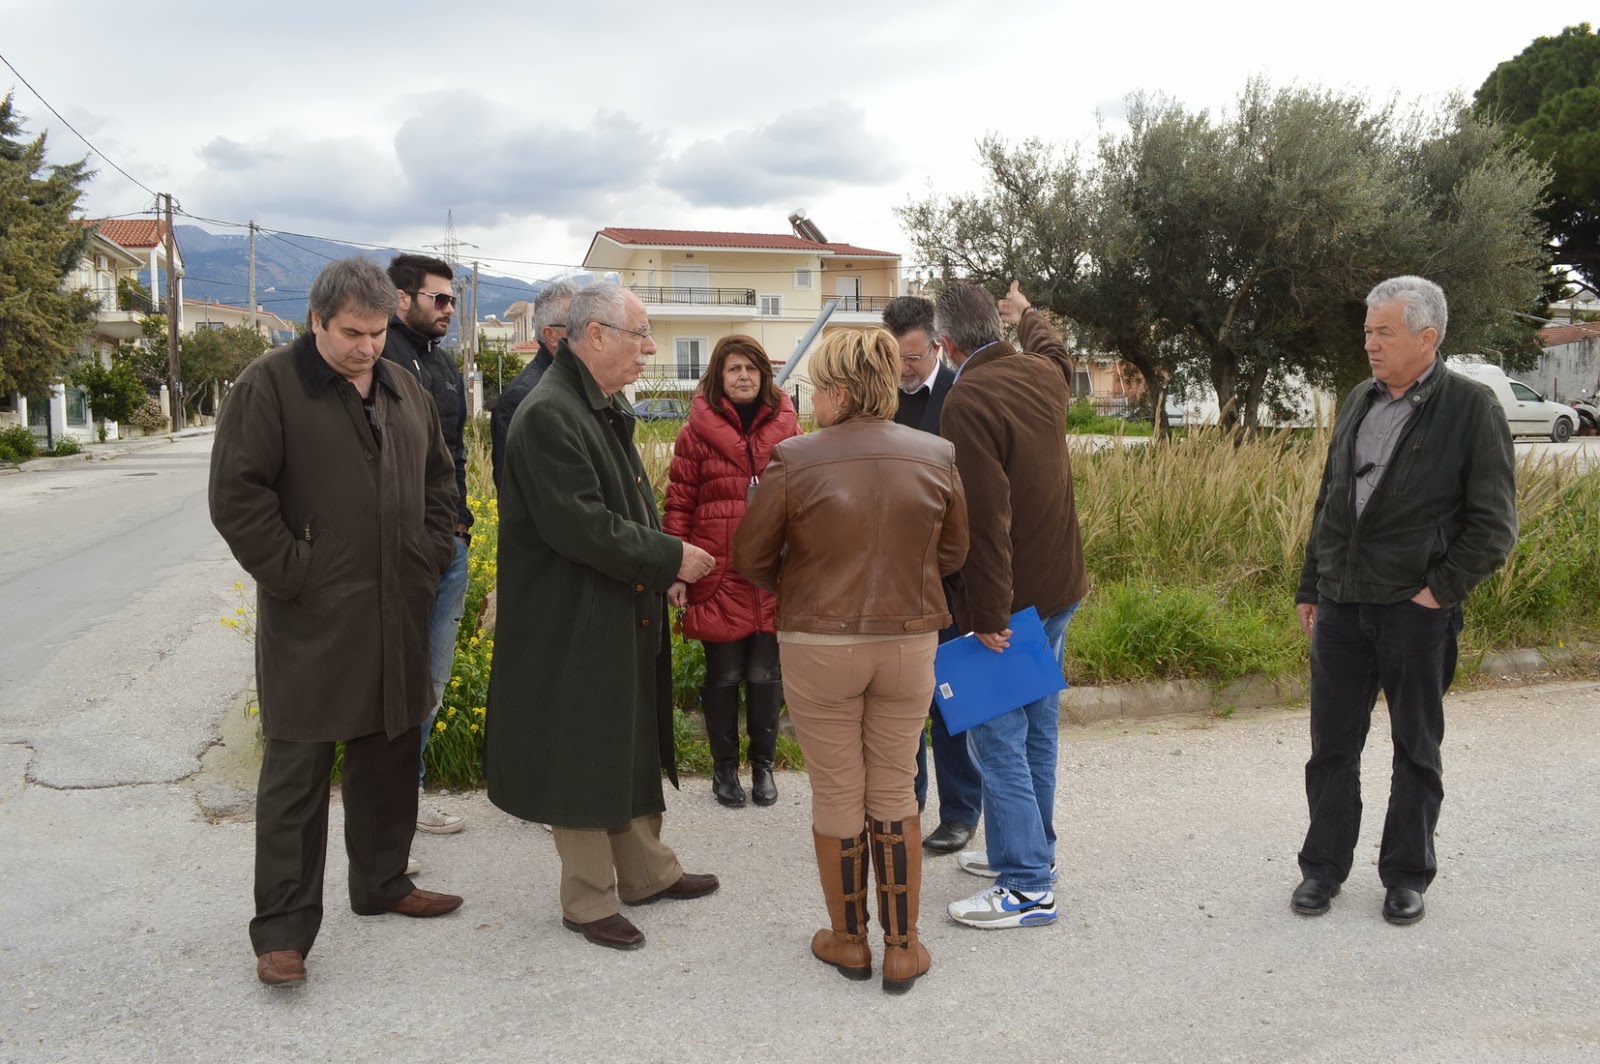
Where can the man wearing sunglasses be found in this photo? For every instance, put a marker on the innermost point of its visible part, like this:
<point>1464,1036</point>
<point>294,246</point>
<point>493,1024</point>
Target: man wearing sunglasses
<point>415,332</point>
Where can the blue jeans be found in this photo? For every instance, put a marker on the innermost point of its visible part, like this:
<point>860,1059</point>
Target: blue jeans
<point>1016,755</point>
<point>443,624</point>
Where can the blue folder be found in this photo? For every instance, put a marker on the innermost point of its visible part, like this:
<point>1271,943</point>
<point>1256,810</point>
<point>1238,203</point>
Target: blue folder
<point>972,684</point>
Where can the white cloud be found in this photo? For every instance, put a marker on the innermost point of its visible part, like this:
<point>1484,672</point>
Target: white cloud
<point>800,154</point>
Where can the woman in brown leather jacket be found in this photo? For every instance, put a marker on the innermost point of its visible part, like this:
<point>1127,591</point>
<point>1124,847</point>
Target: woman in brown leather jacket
<point>853,526</point>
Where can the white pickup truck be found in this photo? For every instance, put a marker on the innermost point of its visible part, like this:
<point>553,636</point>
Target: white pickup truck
<point>1528,412</point>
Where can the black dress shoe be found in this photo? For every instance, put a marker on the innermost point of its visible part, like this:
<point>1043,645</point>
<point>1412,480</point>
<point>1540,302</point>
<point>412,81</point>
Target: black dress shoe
<point>1312,897</point>
<point>949,837</point>
<point>1402,905</point>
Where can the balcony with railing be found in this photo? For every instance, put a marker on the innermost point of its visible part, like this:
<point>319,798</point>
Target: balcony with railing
<point>860,304</point>
<point>687,296</point>
<point>122,312</point>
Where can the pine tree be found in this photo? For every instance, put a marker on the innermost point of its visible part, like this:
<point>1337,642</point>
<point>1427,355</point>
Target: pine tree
<point>40,244</point>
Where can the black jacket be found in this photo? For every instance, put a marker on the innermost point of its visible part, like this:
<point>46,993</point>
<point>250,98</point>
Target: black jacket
<point>1444,515</point>
<point>929,421</point>
<point>511,397</point>
<point>437,371</point>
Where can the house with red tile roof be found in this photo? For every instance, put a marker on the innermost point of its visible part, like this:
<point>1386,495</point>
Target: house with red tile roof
<point>119,249</point>
<point>700,286</point>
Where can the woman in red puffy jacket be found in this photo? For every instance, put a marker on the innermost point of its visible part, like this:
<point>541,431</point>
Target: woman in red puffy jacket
<point>737,417</point>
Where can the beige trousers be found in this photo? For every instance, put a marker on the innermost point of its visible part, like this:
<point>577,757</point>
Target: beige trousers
<point>857,709</point>
<point>600,864</point>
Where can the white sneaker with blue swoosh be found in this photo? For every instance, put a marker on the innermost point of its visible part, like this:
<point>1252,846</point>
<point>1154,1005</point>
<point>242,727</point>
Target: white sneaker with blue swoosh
<point>996,907</point>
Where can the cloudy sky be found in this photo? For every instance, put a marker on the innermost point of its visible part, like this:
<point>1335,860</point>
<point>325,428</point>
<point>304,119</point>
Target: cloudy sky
<point>538,123</point>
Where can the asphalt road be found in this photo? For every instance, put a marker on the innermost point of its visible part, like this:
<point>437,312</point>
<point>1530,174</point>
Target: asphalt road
<point>124,897</point>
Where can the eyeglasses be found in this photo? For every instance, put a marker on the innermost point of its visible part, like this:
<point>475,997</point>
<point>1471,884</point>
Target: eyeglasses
<point>912,360</point>
<point>643,334</point>
<point>441,300</point>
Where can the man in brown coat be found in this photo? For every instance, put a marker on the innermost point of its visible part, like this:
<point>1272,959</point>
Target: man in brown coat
<point>332,486</point>
<point>1006,415</point>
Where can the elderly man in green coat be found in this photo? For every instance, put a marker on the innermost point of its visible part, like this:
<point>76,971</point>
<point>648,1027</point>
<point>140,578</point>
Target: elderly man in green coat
<point>580,700</point>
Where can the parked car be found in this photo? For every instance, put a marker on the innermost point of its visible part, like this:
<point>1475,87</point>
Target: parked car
<point>1527,412</point>
<point>661,409</point>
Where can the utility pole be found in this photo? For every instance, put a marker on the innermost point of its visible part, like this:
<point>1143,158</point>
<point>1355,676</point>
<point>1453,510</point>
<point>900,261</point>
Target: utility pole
<point>255,326</point>
<point>173,310</point>
<point>472,327</point>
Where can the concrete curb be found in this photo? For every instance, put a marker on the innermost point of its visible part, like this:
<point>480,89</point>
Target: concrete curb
<point>105,452</point>
<point>1085,706</point>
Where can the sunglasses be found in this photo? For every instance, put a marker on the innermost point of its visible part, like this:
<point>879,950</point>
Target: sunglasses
<point>441,300</point>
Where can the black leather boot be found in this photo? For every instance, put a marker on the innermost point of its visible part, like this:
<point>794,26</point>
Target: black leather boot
<point>761,702</point>
<point>721,707</point>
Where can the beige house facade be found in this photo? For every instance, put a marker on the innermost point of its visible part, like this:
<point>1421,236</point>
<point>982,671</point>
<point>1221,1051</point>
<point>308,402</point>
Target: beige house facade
<point>700,286</point>
<point>199,315</point>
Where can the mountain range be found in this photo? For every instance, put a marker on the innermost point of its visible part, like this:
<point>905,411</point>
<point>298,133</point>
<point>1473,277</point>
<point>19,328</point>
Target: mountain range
<point>217,269</point>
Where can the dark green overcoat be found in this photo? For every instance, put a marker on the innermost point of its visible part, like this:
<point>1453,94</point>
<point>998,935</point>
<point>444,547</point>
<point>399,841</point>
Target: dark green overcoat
<point>580,697</point>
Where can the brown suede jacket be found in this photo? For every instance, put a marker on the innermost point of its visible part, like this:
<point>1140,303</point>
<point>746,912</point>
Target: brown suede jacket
<point>852,526</point>
<point>1006,415</point>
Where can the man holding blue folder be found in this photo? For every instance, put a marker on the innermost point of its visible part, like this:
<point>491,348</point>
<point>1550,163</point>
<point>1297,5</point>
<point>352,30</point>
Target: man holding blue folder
<point>1006,415</point>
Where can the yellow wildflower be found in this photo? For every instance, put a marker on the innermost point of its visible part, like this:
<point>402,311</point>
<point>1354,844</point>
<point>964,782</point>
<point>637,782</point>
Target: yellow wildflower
<point>474,728</point>
<point>439,726</point>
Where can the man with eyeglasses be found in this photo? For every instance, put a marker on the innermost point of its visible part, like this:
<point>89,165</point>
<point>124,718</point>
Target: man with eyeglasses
<point>924,382</point>
<point>580,715</point>
<point>415,331</point>
<point>549,326</point>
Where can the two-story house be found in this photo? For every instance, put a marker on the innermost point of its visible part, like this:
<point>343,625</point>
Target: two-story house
<point>701,286</point>
<point>109,271</point>
<point>199,314</point>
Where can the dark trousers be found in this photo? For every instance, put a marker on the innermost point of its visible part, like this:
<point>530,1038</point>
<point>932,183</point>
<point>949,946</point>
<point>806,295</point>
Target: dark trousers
<point>380,816</point>
<point>753,659</point>
<point>1408,652</point>
<point>960,782</point>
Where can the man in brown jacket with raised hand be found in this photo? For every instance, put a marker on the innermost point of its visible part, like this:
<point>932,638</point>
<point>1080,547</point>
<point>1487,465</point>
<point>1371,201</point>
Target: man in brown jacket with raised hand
<point>1006,415</point>
<point>331,484</point>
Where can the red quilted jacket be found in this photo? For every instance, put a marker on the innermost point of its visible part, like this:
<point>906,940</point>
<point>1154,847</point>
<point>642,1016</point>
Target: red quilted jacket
<point>713,462</point>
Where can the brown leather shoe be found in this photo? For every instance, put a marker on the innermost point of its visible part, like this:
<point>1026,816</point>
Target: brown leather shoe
<point>613,932</point>
<point>689,885</point>
<point>425,903</point>
<point>281,967</point>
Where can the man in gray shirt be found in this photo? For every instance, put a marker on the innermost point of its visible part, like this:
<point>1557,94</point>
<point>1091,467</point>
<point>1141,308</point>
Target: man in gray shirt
<point>1417,507</point>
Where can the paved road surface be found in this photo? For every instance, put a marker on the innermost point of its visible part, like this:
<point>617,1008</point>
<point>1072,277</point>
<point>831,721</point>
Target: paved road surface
<point>124,905</point>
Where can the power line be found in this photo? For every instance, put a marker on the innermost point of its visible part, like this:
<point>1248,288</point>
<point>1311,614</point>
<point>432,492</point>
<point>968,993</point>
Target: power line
<point>497,258</point>
<point>106,158</point>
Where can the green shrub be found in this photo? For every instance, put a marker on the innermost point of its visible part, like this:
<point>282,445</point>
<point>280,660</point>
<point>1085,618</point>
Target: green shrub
<point>1083,419</point>
<point>1141,632</point>
<point>67,446</point>
<point>17,444</point>
<point>149,417</point>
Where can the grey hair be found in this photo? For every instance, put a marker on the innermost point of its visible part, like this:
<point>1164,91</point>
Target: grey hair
<point>352,284</point>
<point>968,315</point>
<point>603,302</point>
<point>548,309</point>
<point>905,313</point>
<point>1422,303</point>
